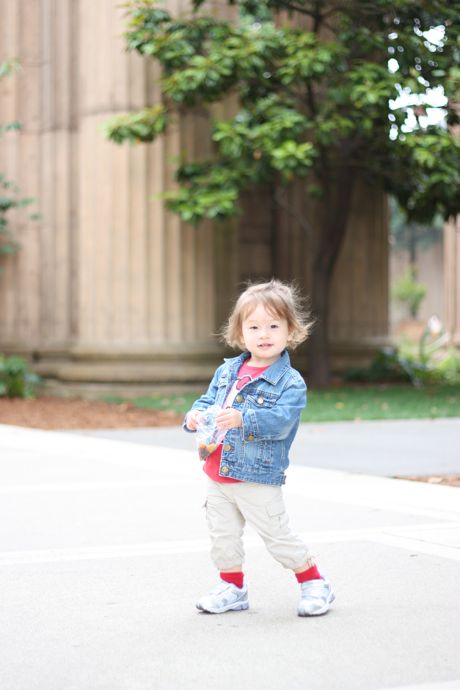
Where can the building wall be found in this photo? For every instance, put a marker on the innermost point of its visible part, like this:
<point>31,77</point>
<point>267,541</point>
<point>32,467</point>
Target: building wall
<point>430,272</point>
<point>108,286</point>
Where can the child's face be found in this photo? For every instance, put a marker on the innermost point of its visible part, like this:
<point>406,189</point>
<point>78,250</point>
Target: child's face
<point>264,335</point>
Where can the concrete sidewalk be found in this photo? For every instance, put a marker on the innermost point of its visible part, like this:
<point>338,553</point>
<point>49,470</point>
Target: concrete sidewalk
<point>104,549</point>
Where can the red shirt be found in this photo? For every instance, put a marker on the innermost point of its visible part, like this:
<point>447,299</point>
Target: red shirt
<point>246,374</point>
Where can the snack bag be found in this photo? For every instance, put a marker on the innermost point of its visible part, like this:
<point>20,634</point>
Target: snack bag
<point>208,436</point>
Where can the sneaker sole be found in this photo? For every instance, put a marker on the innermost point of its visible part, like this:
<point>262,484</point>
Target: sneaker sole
<point>240,606</point>
<point>321,612</point>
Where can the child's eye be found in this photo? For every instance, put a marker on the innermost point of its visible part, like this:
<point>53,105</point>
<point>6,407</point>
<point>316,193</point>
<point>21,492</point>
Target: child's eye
<point>274,325</point>
<point>253,328</point>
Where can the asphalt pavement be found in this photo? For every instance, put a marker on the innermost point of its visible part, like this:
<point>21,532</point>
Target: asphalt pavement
<point>104,549</point>
<point>383,448</point>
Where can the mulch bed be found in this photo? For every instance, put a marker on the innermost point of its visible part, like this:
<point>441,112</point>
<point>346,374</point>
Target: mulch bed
<point>57,413</point>
<point>443,480</point>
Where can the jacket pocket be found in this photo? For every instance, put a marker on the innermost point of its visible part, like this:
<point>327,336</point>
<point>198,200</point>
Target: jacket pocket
<point>221,392</point>
<point>276,511</point>
<point>262,399</point>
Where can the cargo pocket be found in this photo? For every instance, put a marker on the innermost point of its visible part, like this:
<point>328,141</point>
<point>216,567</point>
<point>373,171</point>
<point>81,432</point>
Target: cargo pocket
<point>276,511</point>
<point>216,513</point>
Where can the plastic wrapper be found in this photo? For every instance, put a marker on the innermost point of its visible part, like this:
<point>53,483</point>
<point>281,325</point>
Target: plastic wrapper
<point>208,436</point>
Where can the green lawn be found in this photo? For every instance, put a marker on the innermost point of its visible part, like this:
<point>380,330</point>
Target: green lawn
<point>349,402</point>
<point>382,402</point>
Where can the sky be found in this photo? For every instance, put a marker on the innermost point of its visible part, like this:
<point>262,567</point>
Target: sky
<point>433,99</point>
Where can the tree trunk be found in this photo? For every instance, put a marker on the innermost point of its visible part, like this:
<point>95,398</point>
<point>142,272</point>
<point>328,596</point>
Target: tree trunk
<point>337,204</point>
<point>318,350</point>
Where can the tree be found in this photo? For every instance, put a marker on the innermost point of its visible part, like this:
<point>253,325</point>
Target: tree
<point>317,85</point>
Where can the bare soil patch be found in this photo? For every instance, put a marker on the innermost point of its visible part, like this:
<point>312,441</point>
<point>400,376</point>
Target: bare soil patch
<point>57,413</point>
<point>444,479</point>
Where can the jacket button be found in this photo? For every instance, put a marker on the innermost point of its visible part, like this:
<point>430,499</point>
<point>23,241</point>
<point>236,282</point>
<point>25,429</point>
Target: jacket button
<point>260,400</point>
<point>239,398</point>
<point>225,469</point>
<point>251,437</point>
<point>227,446</point>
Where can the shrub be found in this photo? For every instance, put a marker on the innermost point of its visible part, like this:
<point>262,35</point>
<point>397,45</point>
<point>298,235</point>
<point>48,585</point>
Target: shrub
<point>390,365</point>
<point>16,380</point>
<point>409,292</point>
<point>448,368</point>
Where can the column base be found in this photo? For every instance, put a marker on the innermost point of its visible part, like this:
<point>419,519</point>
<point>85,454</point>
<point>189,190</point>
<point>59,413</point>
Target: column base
<point>90,372</point>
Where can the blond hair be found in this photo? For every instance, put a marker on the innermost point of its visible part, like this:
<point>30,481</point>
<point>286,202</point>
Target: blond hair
<point>281,300</point>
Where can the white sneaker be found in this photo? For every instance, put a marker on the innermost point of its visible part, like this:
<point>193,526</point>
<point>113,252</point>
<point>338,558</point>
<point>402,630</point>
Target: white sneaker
<point>224,597</point>
<point>316,598</point>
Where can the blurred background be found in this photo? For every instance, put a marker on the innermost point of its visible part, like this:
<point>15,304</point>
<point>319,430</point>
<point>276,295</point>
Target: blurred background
<point>106,289</point>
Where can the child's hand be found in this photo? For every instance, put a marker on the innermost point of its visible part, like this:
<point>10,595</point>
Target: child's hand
<point>229,419</point>
<point>192,418</point>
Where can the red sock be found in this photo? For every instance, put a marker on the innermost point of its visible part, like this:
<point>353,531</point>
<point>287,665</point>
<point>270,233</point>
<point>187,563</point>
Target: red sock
<point>310,574</point>
<point>234,578</point>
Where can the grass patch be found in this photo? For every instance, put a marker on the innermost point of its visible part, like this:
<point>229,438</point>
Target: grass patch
<point>180,402</point>
<point>386,401</point>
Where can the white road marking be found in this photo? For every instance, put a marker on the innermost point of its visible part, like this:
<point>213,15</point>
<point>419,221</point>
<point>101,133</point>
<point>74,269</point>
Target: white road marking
<point>93,486</point>
<point>441,685</point>
<point>400,537</point>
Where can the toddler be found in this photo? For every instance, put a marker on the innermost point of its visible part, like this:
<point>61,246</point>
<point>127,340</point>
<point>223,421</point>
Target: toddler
<point>261,397</point>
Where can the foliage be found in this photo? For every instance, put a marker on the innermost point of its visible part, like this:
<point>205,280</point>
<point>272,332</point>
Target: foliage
<point>387,366</point>
<point>303,94</point>
<point>322,92</point>
<point>398,364</point>
<point>143,126</point>
<point>449,366</point>
<point>10,196</point>
<point>16,381</point>
<point>409,292</point>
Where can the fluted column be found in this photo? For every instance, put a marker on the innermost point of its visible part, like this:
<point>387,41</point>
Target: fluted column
<point>20,285</point>
<point>145,278</point>
<point>452,281</point>
<point>108,286</point>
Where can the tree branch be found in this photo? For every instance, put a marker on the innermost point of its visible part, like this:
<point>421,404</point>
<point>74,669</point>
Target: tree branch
<point>296,8</point>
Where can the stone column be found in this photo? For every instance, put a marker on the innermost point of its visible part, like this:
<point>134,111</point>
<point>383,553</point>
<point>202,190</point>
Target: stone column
<point>451,317</point>
<point>108,286</point>
<point>20,155</point>
<point>145,285</point>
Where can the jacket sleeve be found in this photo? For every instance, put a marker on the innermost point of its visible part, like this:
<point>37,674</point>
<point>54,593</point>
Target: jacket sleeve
<point>277,422</point>
<point>207,399</point>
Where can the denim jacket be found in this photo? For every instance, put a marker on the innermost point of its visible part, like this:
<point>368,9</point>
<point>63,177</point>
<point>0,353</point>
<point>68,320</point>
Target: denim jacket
<point>270,407</point>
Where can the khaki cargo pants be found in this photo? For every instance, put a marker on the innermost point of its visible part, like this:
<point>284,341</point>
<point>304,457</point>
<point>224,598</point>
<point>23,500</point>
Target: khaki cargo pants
<point>230,505</point>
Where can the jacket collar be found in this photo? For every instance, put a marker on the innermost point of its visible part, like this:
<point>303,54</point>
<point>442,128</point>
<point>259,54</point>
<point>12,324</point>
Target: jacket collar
<point>272,374</point>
